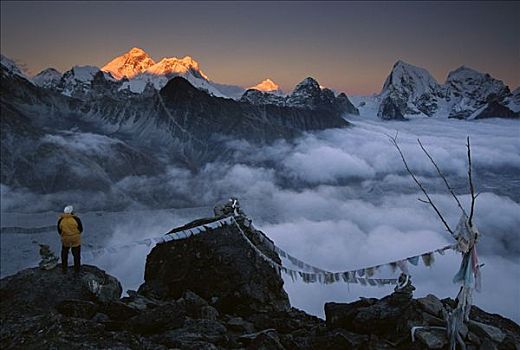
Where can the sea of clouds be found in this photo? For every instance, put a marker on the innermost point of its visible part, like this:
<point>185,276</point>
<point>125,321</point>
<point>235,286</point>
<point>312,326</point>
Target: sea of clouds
<point>341,199</point>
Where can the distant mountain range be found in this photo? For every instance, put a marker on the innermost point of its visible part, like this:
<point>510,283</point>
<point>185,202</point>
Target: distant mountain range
<point>84,130</point>
<point>91,129</point>
<point>408,91</point>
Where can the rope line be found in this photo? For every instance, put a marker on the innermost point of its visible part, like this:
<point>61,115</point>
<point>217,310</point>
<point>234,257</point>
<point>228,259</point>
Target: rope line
<point>322,276</point>
<point>307,272</point>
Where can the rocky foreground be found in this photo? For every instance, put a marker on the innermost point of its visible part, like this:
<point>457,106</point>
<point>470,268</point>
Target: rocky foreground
<point>213,291</point>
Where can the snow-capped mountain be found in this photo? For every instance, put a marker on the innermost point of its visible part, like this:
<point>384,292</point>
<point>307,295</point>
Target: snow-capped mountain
<point>77,81</point>
<point>130,64</point>
<point>139,70</point>
<point>268,85</point>
<point>412,91</point>
<point>467,90</point>
<point>306,95</point>
<point>10,67</point>
<point>48,78</point>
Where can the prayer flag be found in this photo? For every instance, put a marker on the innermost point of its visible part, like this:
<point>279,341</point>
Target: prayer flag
<point>427,259</point>
<point>414,260</point>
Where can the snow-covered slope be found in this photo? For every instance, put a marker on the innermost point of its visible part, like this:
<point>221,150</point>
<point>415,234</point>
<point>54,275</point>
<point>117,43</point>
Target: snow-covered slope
<point>232,91</point>
<point>48,78</point>
<point>173,65</point>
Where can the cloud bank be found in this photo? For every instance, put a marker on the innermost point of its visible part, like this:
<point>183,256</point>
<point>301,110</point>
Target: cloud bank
<point>341,199</point>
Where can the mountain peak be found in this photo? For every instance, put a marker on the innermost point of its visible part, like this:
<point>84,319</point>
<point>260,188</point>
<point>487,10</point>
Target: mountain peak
<point>175,66</point>
<point>47,78</point>
<point>11,66</point>
<point>465,72</point>
<point>137,51</point>
<point>267,85</point>
<point>410,79</point>
<point>402,63</point>
<point>130,64</point>
<point>307,83</point>
<point>410,90</point>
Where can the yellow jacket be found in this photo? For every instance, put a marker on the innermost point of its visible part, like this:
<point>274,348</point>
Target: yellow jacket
<point>70,228</point>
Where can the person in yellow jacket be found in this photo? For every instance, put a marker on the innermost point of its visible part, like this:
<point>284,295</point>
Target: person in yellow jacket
<point>70,229</point>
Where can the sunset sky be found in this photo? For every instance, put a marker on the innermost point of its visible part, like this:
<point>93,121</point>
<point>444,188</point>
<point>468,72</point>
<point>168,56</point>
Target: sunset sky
<point>348,46</point>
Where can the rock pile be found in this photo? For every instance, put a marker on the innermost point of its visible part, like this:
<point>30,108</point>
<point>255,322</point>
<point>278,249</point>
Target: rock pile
<point>211,291</point>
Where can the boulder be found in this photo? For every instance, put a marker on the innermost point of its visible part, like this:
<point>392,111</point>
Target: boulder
<point>250,338</point>
<point>168,316</point>
<point>266,340</point>
<point>119,311</point>
<point>432,338</point>
<point>217,265</point>
<point>194,334</point>
<point>238,324</point>
<point>486,331</point>
<point>33,291</point>
<point>340,315</point>
<point>431,304</point>
<point>77,308</point>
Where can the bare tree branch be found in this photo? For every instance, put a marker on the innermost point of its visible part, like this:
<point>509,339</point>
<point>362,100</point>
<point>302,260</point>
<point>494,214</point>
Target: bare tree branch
<point>471,188</point>
<point>423,201</point>
<point>450,189</point>
<point>394,142</point>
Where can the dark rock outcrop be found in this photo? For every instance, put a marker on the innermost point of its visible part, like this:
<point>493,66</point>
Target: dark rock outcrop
<point>35,290</point>
<point>211,291</point>
<point>242,283</point>
<point>495,109</point>
<point>388,110</point>
<point>392,318</point>
<point>257,97</point>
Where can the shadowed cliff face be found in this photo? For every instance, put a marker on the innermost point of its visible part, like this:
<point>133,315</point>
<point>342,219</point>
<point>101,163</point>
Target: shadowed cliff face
<point>239,303</point>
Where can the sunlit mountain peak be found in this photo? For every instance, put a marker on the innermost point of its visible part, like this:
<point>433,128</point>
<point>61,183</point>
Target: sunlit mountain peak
<point>174,65</point>
<point>267,86</point>
<point>130,64</point>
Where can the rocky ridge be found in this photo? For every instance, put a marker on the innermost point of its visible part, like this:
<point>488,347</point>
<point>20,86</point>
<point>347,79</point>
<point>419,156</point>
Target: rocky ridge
<point>212,291</point>
<point>306,95</point>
